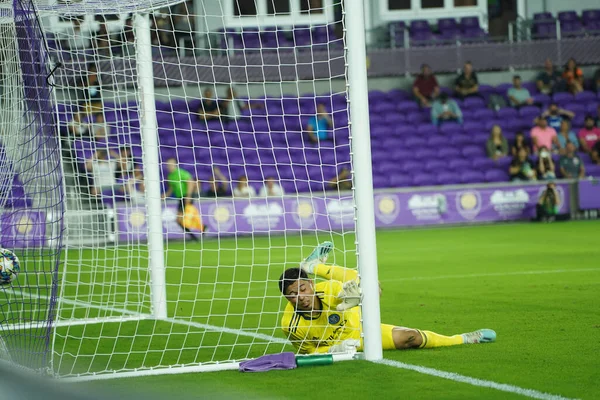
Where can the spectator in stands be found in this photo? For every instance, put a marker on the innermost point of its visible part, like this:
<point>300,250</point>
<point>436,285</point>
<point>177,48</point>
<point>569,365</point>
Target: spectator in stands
<point>597,119</point>
<point>231,107</point>
<point>596,81</point>
<point>217,186</point>
<point>573,76</point>
<point>77,127</point>
<point>99,129</point>
<point>127,38</point>
<point>555,115</point>
<point>545,165</point>
<point>91,92</point>
<point>242,188</point>
<point>520,143</point>
<point>543,135</point>
<point>426,87</point>
<point>181,186</point>
<point>549,80</point>
<point>209,108</point>
<point>548,204</point>
<point>566,135</point>
<point>74,38</point>
<point>318,125</point>
<point>589,135</point>
<point>596,153</point>
<point>571,165</point>
<point>445,109</point>
<point>466,83</point>
<point>520,168</point>
<point>343,180</point>
<point>102,40</point>
<point>497,145</point>
<point>518,95</point>
<point>126,167</point>
<point>101,168</point>
<point>271,188</point>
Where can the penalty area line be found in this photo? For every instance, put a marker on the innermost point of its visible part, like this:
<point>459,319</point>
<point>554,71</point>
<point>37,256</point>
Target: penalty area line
<point>503,387</point>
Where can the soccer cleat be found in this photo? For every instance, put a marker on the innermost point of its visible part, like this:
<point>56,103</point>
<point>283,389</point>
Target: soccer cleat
<point>318,256</point>
<point>480,336</point>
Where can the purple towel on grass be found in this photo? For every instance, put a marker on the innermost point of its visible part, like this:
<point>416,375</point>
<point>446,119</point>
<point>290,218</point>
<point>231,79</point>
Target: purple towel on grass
<point>269,362</point>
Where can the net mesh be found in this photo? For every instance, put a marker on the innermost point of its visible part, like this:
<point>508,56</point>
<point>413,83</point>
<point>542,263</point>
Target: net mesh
<point>255,109</point>
<point>31,195</point>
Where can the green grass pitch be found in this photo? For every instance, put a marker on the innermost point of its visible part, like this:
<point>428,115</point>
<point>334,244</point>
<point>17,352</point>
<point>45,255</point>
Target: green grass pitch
<point>537,285</point>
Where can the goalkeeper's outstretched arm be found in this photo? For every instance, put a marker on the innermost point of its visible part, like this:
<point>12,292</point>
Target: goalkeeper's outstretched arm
<point>335,273</point>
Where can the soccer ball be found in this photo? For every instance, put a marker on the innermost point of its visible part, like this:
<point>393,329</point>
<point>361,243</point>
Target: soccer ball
<point>9,266</point>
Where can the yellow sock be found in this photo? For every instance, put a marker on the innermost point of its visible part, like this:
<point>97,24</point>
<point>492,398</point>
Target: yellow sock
<point>432,339</point>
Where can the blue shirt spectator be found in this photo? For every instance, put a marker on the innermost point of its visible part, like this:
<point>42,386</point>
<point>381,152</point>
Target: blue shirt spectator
<point>555,116</point>
<point>445,110</point>
<point>566,135</point>
<point>318,126</point>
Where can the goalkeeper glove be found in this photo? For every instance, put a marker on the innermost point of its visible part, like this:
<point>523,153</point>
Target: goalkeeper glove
<point>346,346</point>
<point>350,296</point>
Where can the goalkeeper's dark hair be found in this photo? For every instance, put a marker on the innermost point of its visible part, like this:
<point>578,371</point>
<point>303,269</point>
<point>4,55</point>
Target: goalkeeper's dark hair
<point>290,276</point>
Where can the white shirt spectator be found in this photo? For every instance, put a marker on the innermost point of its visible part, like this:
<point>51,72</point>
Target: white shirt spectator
<point>272,189</point>
<point>103,172</point>
<point>244,191</point>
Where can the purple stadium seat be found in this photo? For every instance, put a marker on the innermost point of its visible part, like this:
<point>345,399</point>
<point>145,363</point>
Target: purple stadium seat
<point>590,15</point>
<point>470,127</point>
<point>400,154</point>
<point>381,181</point>
<point>447,153</point>
<point>530,111</point>
<point>473,103</point>
<point>407,106</point>
<point>459,164</point>
<point>482,163</point>
<point>410,167</point>
<point>400,180</point>
<point>592,107</point>
<point>451,129</point>
<point>461,140</point>
<point>425,154</point>
<point>507,113</point>
<point>544,30</point>
<point>413,142</point>
<point>543,16</point>
<point>496,175</point>
<point>473,151</point>
<point>388,167</point>
<point>484,114</point>
<point>562,97</point>
<point>419,25</point>
<point>568,16</point>
<point>436,141</point>
<point>424,179</point>
<point>415,118</point>
<point>585,96</point>
<point>445,24</point>
<point>398,95</point>
<point>393,118</point>
<point>436,165</point>
<point>577,108</point>
<point>448,178</point>
<point>390,143</point>
<point>422,38</point>
<point>469,23</point>
<point>404,131</point>
<point>593,170</point>
<point>572,28</point>
<point>472,177</point>
<point>427,129</point>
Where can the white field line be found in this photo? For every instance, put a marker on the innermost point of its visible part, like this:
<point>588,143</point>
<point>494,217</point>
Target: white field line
<point>503,387</point>
<point>483,275</point>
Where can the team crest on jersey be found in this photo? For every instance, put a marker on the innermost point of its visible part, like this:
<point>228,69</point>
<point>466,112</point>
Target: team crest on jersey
<point>334,319</point>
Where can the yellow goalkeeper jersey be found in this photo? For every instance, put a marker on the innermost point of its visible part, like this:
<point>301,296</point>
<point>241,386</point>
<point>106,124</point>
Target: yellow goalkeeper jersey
<point>315,334</point>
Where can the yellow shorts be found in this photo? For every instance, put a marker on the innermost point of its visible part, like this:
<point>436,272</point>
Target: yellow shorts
<point>387,339</point>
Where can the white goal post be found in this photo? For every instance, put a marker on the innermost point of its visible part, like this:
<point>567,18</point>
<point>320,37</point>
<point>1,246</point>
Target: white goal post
<point>209,101</point>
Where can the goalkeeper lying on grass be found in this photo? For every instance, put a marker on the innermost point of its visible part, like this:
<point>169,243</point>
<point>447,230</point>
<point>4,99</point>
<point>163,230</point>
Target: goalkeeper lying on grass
<point>325,317</point>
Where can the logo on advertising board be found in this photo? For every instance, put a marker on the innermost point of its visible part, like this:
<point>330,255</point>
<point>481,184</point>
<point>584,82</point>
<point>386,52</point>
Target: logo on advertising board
<point>509,203</point>
<point>221,216</point>
<point>24,225</point>
<point>304,215</point>
<point>264,216</point>
<point>387,208</point>
<point>468,203</point>
<point>427,207</point>
<point>137,219</point>
<point>341,211</point>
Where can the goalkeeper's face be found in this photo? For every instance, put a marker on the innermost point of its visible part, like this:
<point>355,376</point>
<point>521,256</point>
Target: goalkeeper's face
<point>302,295</point>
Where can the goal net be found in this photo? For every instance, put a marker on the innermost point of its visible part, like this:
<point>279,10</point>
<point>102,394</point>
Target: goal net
<point>205,148</point>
